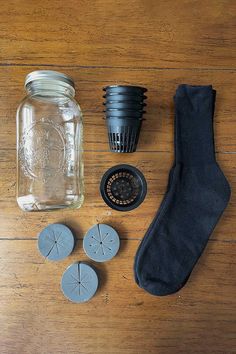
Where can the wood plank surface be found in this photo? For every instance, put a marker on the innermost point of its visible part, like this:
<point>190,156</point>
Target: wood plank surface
<point>155,166</point>
<point>121,318</point>
<point>119,33</point>
<point>157,44</point>
<point>157,130</point>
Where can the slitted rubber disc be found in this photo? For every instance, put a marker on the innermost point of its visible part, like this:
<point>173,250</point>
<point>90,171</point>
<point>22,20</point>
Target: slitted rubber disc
<point>101,243</point>
<point>56,242</point>
<point>79,282</point>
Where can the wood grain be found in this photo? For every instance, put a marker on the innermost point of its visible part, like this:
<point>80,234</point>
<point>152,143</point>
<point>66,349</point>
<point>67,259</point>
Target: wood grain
<point>154,165</point>
<point>157,130</point>
<point>157,44</point>
<point>121,318</point>
<point>130,33</point>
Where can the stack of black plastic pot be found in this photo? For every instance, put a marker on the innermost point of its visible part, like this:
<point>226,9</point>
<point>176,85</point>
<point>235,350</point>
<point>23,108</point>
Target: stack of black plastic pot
<point>124,115</point>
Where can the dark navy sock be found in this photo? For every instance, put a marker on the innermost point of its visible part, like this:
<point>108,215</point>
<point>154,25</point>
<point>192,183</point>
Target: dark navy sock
<point>159,211</point>
<point>197,195</point>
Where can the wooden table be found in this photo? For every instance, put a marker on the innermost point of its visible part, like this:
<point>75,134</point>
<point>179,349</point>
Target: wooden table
<point>158,44</point>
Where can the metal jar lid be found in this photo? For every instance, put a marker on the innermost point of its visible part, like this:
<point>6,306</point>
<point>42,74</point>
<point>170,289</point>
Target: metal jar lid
<point>49,75</point>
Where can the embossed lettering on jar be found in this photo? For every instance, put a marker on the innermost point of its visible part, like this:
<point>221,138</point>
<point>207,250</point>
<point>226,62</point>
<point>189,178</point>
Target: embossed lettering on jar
<point>49,144</point>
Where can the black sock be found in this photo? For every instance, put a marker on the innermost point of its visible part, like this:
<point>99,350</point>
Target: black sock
<point>197,196</point>
<point>155,220</point>
<point>158,214</point>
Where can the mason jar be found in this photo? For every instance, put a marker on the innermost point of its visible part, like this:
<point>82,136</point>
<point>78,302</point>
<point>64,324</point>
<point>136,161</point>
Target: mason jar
<point>49,144</point>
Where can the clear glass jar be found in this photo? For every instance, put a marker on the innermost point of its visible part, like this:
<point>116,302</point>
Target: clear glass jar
<point>49,144</point>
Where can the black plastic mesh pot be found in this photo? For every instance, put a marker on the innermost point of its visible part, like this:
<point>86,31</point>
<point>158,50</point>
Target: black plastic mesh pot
<point>125,89</point>
<point>124,112</point>
<point>123,134</point>
<point>124,97</point>
<point>123,187</point>
<point>124,105</point>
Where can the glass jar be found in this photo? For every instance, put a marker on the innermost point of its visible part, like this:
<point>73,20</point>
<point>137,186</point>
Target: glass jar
<point>49,144</point>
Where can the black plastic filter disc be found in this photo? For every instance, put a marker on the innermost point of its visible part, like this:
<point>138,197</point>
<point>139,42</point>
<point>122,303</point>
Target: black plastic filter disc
<point>123,187</point>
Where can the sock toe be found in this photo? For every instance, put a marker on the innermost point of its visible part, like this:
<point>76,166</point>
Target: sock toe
<point>158,287</point>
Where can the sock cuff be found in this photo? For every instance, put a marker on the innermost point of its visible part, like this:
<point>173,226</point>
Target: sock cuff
<point>194,136</point>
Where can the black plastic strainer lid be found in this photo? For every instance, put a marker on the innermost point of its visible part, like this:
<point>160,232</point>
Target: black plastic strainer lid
<point>123,187</point>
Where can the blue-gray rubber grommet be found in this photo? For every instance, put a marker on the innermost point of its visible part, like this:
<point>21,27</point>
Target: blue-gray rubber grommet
<point>101,243</point>
<point>79,282</point>
<point>56,242</point>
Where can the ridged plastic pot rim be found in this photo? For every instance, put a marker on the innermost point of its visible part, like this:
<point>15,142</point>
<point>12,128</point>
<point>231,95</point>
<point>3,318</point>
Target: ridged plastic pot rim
<point>124,113</point>
<point>131,118</point>
<point>124,88</point>
<point>123,121</point>
<point>129,95</point>
<point>128,103</point>
<point>124,110</point>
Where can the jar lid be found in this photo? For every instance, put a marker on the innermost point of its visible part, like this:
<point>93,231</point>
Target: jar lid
<point>49,75</point>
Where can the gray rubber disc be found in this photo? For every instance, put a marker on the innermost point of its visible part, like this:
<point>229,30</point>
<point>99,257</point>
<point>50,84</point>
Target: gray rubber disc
<point>79,282</point>
<point>101,243</point>
<point>56,242</point>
